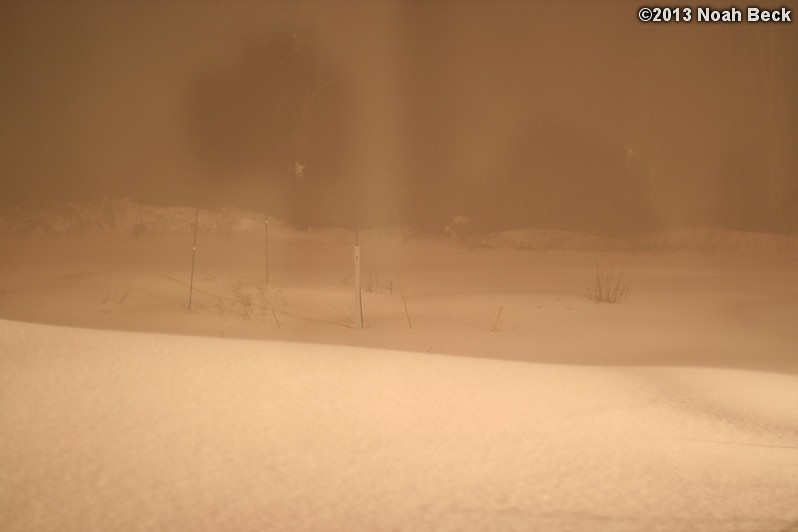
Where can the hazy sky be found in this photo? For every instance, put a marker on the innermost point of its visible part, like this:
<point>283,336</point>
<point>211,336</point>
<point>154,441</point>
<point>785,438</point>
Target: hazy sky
<point>512,112</point>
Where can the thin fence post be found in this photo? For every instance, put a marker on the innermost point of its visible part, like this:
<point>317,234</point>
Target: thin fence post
<point>267,250</point>
<point>358,297</point>
<point>193,258</point>
<point>404,302</point>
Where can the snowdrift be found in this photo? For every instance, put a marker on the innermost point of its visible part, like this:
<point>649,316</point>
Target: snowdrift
<point>122,216</point>
<point>127,217</point>
<point>122,431</point>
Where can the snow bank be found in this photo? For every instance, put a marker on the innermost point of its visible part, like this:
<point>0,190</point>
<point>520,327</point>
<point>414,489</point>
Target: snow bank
<point>546,239</point>
<point>121,431</point>
<point>125,216</point>
<point>691,239</point>
<point>714,239</point>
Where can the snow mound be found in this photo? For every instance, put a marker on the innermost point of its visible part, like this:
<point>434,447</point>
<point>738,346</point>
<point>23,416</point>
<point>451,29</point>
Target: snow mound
<point>127,217</point>
<point>122,216</point>
<point>691,239</point>
<point>704,239</point>
<point>378,237</point>
<point>546,239</point>
<point>120,431</point>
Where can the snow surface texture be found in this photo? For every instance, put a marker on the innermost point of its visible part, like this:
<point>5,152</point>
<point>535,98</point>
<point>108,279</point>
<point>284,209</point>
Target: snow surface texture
<point>123,431</point>
<point>170,422</point>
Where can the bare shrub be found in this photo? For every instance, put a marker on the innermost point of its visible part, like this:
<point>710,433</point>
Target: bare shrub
<point>255,303</point>
<point>608,287</point>
<point>373,284</point>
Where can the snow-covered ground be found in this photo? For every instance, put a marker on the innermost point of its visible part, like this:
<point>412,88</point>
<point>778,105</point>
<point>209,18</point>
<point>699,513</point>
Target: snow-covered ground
<point>502,398</point>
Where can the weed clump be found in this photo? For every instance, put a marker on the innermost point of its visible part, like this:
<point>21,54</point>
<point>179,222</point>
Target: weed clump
<point>608,287</point>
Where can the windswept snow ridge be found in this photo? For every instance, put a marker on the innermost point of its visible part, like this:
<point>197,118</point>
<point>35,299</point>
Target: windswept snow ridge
<point>123,431</point>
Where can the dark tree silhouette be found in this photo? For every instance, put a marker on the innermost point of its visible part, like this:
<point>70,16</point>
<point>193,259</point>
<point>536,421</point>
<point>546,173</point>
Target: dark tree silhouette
<point>274,111</point>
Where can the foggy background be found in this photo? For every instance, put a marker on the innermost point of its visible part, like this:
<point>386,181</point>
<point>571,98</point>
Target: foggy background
<point>517,114</point>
